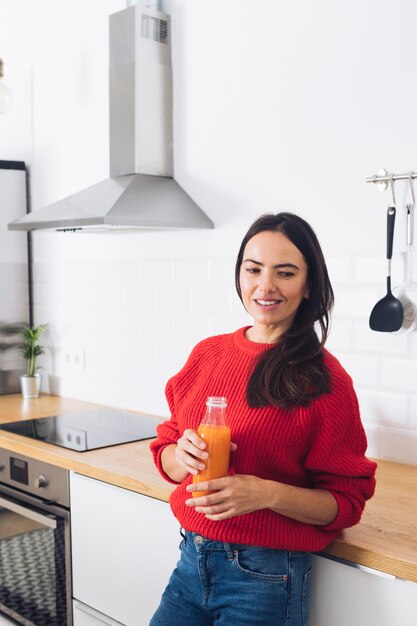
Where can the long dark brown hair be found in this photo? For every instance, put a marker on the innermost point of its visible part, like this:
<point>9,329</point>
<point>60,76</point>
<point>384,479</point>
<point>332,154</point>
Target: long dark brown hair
<point>293,372</point>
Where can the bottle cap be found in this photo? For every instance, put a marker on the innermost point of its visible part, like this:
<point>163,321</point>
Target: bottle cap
<point>219,401</point>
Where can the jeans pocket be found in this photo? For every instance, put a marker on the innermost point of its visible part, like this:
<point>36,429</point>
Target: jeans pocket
<point>262,563</point>
<point>305,598</point>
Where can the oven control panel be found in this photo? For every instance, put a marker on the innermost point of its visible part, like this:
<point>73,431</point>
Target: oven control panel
<point>35,477</point>
<point>19,470</point>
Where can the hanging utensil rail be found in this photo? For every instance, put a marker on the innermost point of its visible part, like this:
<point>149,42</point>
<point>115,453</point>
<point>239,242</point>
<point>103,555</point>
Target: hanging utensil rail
<point>386,177</point>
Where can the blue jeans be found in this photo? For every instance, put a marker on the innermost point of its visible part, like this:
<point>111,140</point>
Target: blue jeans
<point>225,584</point>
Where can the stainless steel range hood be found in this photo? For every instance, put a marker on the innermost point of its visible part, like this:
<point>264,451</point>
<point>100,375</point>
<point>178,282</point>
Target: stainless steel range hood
<point>141,192</point>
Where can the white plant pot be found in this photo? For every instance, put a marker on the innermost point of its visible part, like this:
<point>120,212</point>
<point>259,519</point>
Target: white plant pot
<point>31,386</point>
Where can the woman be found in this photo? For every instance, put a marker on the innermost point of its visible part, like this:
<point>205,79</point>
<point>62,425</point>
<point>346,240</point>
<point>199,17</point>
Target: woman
<point>299,474</point>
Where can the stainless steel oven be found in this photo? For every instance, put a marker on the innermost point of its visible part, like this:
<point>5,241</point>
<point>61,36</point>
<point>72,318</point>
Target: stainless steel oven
<point>35,555</point>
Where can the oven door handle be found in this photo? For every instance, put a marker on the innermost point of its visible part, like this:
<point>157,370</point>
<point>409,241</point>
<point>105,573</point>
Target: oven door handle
<point>28,513</point>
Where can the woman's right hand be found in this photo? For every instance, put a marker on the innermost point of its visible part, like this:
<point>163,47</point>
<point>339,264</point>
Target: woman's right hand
<point>190,452</point>
<point>186,457</point>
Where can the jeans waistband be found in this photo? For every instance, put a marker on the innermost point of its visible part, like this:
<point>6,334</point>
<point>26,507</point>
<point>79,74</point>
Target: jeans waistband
<point>204,543</point>
<point>211,544</point>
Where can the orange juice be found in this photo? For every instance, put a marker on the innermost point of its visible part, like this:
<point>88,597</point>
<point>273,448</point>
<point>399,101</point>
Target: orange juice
<point>214,431</point>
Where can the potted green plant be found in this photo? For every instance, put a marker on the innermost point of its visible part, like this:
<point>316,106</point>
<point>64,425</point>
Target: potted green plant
<point>30,349</point>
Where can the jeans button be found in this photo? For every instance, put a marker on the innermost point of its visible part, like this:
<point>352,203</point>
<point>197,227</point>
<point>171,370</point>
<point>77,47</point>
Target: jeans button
<point>198,540</point>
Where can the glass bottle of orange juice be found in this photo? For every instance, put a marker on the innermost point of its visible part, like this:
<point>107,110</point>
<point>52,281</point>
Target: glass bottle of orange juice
<point>216,433</point>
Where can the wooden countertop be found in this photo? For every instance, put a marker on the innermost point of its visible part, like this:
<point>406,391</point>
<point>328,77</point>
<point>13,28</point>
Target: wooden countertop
<point>385,539</point>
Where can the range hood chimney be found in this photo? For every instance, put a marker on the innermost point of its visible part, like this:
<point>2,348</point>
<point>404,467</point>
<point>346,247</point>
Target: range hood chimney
<point>141,192</point>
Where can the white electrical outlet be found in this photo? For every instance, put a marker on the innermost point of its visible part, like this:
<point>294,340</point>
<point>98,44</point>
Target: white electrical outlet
<point>75,359</point>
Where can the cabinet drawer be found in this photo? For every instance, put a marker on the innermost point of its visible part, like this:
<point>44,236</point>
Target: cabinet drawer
<point>346,595</point>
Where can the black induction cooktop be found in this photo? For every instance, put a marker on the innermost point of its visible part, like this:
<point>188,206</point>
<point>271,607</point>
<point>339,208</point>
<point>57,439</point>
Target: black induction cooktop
<point>87,430</point>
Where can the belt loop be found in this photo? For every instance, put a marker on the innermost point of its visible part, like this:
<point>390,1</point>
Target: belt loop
<point>228,550</point>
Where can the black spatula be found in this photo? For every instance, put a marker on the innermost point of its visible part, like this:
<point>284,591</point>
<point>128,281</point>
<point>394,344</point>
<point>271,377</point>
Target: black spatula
<point>387,315</point>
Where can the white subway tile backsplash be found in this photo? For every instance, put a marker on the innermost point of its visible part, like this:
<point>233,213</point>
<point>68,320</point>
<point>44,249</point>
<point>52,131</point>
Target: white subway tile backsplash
<point>42,315</point>
<point>211,299</point>
<point>68,273</point>
<point>118,320</point>
<point>188,325</point>
<point>172,355</point>
<point>367,340</point>
<point>19,294</point>
<point>116,273</point>
<point>413,413</point>
<point>354,303</point>
<point>146,399</point>
<point>173,298</point>
<point>140,347</point>
<point>399,374</point>
<point>44,295</point>
<point>132,320</point>
<point>373,270</point>
<point>16,311</point>
<point>106,390</point>
<point>115,362</point>
<point>386,409</point>
<point>222,270</point>
<point>92,271</point>
<point>340,336</point>
<point>340,270</point>
<point>413,343</point>
<point>62,293</point>
<point>159,324</point>
<point>104,295</point>
<point>399,445</point>
<point>191,272</point>
<point>84,294</point>
<point>228,323</point>
<point>12,273</point>
<point>72,319</point>
<point>45,272</point>
<point>139,298</point>
<point>364,370</point>
<point>95,320</point>
<point>373,437</point>
<point>237,307</point>
<point>157,271</point>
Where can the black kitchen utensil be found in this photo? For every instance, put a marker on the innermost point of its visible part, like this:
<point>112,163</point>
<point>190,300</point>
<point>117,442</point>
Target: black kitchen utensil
<point>387,315</point>
<point>407,292</point>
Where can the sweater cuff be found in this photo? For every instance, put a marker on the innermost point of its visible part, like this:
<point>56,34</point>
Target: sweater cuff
<point>345,516</point>
<point>158,462</point>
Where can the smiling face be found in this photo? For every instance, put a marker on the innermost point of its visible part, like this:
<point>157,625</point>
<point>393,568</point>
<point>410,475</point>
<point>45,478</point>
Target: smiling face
<point>273,283</point>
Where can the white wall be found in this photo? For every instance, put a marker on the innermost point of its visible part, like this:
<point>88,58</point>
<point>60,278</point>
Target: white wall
<point>278,105</point>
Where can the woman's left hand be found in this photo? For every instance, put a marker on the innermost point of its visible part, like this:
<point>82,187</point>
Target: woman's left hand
<point>235,495</point>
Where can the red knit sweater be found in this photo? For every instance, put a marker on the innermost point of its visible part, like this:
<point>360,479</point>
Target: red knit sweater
<point>319,446</point>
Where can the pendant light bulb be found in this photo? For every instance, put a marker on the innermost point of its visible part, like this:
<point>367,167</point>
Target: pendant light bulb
<point>5,93</point>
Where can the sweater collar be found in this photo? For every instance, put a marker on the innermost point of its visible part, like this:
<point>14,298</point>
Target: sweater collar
<point>251,347</point>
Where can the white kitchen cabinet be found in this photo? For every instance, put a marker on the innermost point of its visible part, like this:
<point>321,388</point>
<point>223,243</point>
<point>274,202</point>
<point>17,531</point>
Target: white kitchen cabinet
<point>86,616</point>
<point>343,595</point>
<point>124,548</point>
